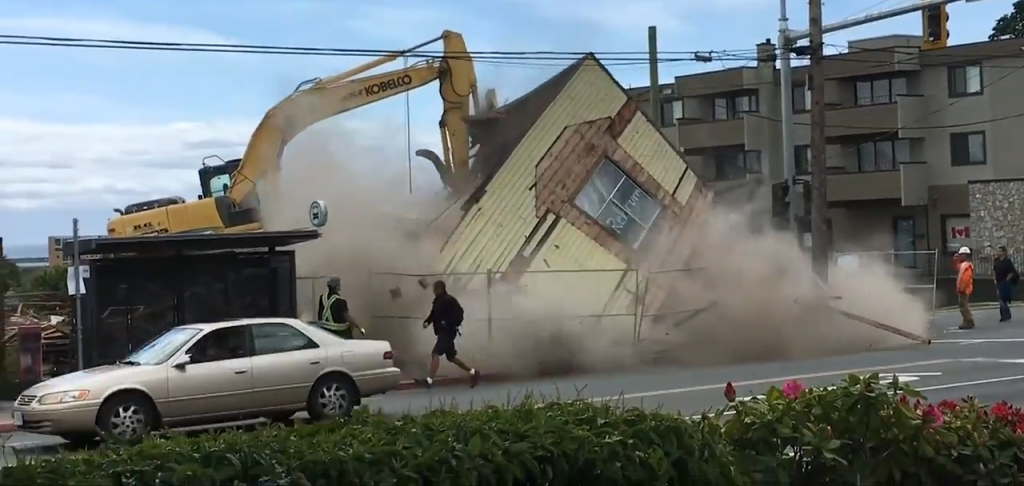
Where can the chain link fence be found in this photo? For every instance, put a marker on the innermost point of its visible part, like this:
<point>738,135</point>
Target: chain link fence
<point>616,303</point>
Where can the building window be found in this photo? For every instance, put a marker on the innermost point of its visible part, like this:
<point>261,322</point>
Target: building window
<point>734,107</point>
<point>751,160</point>
<point>670,112</point>
<point>741,104</point>
<point>802,156</point>
<point>882,155</point>
<point>967,148</point>
<point>801,99</point>
<point>737,165</point>
<point>618,204</point>
<point>879,91</point>
<point>58,243</point>
<point>957,232</point>
<point>721,109</point>
<point>965,81</point>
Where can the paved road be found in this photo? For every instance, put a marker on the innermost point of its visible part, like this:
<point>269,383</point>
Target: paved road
<point>987,362</point>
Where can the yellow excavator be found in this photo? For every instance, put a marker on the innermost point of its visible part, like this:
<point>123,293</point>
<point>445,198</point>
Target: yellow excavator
<point>229,202</point>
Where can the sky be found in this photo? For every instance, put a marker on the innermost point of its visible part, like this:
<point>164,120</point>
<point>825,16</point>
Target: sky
<point>83,131</point>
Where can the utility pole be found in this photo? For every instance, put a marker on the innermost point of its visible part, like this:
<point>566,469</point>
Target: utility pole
<point>652,52</point>
<point>819,180</point>
<point>788,147</point>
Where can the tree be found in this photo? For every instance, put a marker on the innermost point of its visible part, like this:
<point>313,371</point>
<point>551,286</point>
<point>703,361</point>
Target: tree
<point>10,275</point>
<point>1011,25</point>
<point>52,279</point>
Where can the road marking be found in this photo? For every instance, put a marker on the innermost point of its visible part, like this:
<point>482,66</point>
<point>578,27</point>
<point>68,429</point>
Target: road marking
<point>763,381</point>
<point>978,341</point>
<point>972,383</point>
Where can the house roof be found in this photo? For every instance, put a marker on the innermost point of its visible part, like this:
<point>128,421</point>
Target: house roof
<point>499,132</point>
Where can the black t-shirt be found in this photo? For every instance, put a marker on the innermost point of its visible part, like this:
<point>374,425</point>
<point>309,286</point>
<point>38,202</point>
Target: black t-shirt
<point>1002,269</point>
<point>446,315</point>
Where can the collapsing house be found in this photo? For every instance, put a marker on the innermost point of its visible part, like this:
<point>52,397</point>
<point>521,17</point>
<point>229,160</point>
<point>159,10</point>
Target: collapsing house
<point>573,179</point>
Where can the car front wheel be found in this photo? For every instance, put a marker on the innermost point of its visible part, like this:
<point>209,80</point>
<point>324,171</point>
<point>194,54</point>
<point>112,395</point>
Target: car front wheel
<point>332,396</point>
<point>126,418</point>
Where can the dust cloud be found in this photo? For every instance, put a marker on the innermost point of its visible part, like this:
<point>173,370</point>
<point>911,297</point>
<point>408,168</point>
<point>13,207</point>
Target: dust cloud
<point>750,296</point>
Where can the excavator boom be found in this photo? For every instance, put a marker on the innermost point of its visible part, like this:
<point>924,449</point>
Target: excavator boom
<point>237,207</point>
<point>311,104</point>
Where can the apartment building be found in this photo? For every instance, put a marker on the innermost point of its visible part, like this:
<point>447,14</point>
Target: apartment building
<point>55,249</point>
<point>906,131</point>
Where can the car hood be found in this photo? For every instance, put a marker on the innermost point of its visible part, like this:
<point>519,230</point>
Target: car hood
<point>85,379</point>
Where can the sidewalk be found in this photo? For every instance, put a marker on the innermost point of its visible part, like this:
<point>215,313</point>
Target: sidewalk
<point>6,418</point>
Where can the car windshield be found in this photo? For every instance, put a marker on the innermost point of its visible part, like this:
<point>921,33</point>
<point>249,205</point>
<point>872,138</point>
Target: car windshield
<point>162,347</point>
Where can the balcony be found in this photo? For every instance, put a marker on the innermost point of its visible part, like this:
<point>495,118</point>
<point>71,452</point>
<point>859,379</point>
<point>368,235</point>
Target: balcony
<point>862,120</point>
<point>864,186</point>
<point>698,134</point>
<point>890,55</point>
<point>752,131</point>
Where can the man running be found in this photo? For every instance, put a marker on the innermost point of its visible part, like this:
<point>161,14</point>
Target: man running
<point>446,316</point>
<point>333,312</point>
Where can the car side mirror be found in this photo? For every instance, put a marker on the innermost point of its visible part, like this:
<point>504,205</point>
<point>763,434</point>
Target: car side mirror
<point>182,362</point>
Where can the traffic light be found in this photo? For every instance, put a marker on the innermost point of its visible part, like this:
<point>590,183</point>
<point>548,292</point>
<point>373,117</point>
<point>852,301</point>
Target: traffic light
<point>933,22</point>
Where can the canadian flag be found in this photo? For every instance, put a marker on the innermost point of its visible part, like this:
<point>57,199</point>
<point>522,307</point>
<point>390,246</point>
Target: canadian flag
<point>959,232</point>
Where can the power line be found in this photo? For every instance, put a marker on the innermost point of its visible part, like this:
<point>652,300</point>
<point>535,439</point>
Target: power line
<point>931,127</point>
<point>323,51</point>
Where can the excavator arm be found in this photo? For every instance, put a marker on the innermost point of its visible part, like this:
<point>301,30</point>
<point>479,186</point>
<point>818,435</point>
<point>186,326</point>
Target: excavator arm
<point>319,99</point>
<point>236,209</point>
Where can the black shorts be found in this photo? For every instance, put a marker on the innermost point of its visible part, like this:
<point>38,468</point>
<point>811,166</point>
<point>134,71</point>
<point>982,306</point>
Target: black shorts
<point>445,346</point>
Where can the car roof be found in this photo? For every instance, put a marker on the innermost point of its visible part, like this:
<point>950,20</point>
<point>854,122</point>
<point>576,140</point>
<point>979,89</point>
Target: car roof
<point>243,322</point>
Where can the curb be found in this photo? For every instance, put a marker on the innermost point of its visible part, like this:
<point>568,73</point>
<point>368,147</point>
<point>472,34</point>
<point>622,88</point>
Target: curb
<point>8,428</point>
<point>491,378</point>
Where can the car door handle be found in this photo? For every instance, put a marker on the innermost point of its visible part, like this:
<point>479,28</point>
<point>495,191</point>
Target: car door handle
<point>241,372</point>
<point>314,362</point>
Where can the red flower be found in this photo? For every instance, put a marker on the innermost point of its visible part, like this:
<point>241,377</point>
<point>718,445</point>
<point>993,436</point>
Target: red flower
<point>904,400</point>
<point>917,405</point>
<point>948,406</point>
<point>730,392</point>
<point>1001,410</point>
<point>932,416</point>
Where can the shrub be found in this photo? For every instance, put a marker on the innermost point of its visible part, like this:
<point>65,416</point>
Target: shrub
<point>860,432</point>
<point>866,432</point>
<point>568,443</point>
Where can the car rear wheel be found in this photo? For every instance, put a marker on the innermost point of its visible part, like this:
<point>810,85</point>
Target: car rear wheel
<point>126,418</point>
<point>332,396</point>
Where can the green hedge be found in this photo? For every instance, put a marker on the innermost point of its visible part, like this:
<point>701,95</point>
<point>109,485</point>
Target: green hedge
<point>862,432</point>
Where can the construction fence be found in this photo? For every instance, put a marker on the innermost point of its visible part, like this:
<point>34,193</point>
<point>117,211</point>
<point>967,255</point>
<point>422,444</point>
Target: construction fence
<point>618,303</point>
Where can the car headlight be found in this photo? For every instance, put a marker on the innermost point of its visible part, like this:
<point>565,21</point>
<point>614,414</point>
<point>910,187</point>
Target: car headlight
<point>63,397</point>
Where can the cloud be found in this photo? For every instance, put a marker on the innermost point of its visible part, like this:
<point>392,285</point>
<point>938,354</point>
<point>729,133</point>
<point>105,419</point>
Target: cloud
<point>108,28</point>
<point>53,164</point>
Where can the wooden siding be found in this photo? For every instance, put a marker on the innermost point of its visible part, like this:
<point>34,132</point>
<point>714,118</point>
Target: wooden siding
<point>505,215</point>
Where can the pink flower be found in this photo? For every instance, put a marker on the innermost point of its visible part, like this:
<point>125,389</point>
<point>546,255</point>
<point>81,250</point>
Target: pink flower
<point>932,415</point>
<point>792,389</point>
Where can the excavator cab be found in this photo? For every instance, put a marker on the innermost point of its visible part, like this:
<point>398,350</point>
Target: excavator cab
<point>215,179</point>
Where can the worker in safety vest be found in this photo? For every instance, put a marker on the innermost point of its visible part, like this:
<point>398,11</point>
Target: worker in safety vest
<point>964,285</point>
<point>333,311</point>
